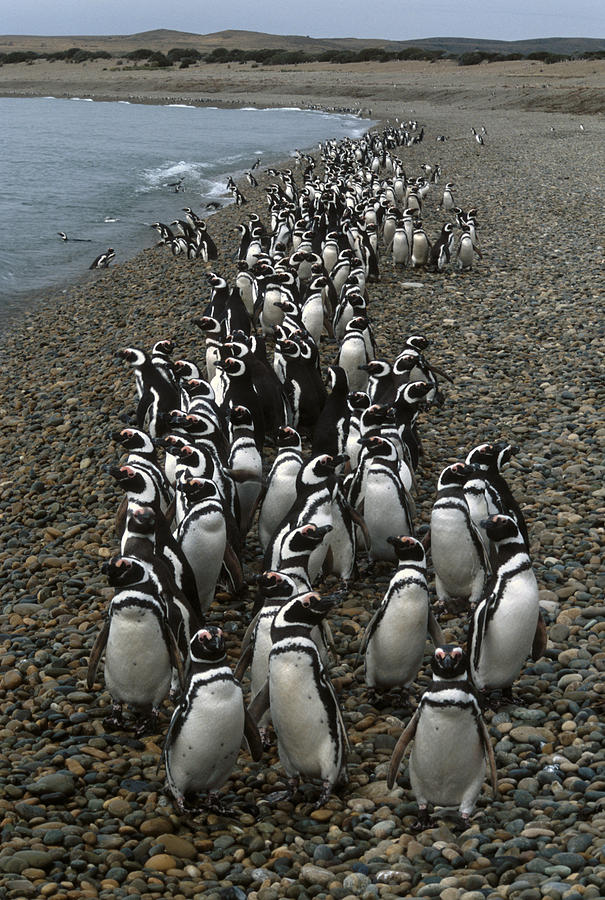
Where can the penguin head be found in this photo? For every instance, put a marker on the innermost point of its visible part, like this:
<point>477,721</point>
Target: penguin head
<point>122,570</point>
<point>318,469</point>
<point>163,348</point>
<point>376,414</point>
<point>406,361</point>
<point>455,474</point>
<point>358,400</point>
<point>132,355</point>
<point>306,537</point>
<point>141,520</point>
<point>208,324</point>
<point>449,662</point>
<point>288,437</point>
<point>207,645</point>
<point>128,477</point>
<point>376,446</point>
<point>240,415</point>
<point>186,369</point>
<point>417,341</point>
<point>500,528</point>
<point>407,549</point>
<point>491,456</point>
<point>197,387</point>
<point>198,489</point>
<point>377,367</point>
<point>232,367</point>
<point>276,586</point>
<point>415,392</point>
<point>132,439</point>
<point>306,609</point>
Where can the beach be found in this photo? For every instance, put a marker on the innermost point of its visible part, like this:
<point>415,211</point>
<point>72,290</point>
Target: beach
<point>520,335</point>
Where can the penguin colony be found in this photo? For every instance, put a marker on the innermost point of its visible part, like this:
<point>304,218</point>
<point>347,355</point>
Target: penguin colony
<point>346,448</point>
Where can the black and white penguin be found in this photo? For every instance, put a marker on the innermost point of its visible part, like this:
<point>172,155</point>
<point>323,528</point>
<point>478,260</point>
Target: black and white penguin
<point>421,246</point>
<point>311,736</point>
<point>208,726</point>
<point>292,554</point>
<point>202,535</point>
<point>103,259</point>
<point>506,626</point>
<point>245,458</point>
<point>491,459</point>
<point>441,251</point>
<point>157,393</point>
<point>451,741</point>
<point>280,491</point>
<point>332,427</point>
<point>387,505</point>
<point>459,556</point>
<point>141,652</point>
<point>395,638</point>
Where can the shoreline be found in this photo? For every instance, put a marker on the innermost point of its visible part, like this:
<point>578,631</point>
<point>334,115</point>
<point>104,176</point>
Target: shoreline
<point>521,337</point>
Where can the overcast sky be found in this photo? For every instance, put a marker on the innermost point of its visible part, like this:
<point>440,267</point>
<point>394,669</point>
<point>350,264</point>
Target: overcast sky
<point>390,19</point>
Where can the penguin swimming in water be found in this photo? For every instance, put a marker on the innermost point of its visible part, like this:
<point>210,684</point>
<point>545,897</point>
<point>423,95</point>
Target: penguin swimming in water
<point>451,741</point>
<point>311,736</point>
<point>208,726</point>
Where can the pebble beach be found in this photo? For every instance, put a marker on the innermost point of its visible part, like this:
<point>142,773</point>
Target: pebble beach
<point>522,336</point>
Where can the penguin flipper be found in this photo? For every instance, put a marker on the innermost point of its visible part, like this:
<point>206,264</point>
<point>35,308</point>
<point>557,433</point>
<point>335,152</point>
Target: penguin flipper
<point>489,753</point>
<point>359,520</point>
<point>400,748</point>
<point>261,703</point>
<point>176,660</point>
<point>538,648</point>
<point>234,569</point>
<point>435,630</point>
<point>244,660</point>
<point>95,655</point>
<point>252,736</point>
<point>440,372</point>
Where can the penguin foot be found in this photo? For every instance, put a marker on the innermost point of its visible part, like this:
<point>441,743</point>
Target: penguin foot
<point>423,821</point>
<point>325,794</point>
<point>116,721</point>
<point>263,733</point>
<point>213,804</point>
<point>147,724</point>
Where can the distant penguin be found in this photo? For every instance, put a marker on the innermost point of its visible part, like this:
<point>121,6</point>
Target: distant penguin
<point>311,736</point>
<point>202,535</point>
<point>208,726</point>
<point>244,457</point>
<point>506,626</point>
<point>447,201</point>
<point>451,741</point>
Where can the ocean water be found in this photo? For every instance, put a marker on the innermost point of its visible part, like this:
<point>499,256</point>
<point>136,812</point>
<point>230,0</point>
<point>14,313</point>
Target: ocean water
<point>101,172</point>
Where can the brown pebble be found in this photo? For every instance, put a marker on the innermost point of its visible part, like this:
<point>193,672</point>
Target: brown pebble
<point>161,861</point>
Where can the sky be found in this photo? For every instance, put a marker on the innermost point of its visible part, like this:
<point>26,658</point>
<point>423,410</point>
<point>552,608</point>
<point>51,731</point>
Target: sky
<point>390,19</point>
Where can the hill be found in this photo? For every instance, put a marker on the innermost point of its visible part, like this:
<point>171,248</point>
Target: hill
<point>165,39</point>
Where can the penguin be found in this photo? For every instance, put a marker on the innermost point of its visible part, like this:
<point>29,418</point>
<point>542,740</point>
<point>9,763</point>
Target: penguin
<point>353,354</point>
<point>394,641</point>
<point>311,737</point>
<point>400,244</point>
<point>491,458</point>
<point>208,726</point>
<point>451,741</point>
<point>387,506</point>
<point>245,457</point>
<point>241,392</point>
<point>447,200</point>
<point>103,259</point>
<point>140,653</point>
<point>157,393</point>
<point>467,249</point>
<point>202,536</point>
<point>280,490</point>
<point>441,251</point>
<point>506,626</point>
<point>292,554</point>
<point>421,246</point>
<point>459,556</point>
<point>332,427</point>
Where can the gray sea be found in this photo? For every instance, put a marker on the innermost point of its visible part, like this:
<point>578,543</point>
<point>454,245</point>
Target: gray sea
<point>102,172</point>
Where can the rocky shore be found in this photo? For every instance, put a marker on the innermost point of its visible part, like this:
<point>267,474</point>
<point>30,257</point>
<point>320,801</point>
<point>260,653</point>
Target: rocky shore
<point>521,335</point>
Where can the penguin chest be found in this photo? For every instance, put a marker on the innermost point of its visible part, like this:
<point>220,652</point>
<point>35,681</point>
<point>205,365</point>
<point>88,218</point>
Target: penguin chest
<point>455,556</point>
<point>447,765</point>
<point>203,753</point>
<point>395,650</point>
<point>384,512</point>
<point>137,661</point>
<point>303,715</point>
<point>506,641</point>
